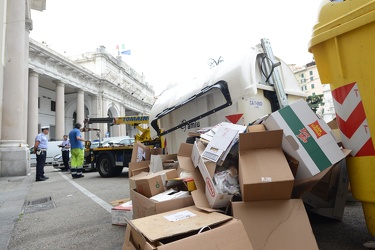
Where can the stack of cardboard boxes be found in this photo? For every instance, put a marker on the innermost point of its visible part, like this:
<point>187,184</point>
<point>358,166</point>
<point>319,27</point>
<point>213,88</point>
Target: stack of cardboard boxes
<point>263,215</point>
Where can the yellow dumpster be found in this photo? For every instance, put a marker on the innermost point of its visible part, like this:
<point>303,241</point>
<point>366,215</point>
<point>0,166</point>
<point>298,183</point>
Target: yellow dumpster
<point>343,45</point>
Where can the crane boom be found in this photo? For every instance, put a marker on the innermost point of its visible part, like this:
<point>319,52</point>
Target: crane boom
<point>131,120</point>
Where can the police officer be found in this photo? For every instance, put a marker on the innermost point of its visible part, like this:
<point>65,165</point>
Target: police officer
<point>40,149</point>
<point>65,147</point>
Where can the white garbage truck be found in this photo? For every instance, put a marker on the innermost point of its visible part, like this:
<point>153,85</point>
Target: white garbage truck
<point>238,91</point>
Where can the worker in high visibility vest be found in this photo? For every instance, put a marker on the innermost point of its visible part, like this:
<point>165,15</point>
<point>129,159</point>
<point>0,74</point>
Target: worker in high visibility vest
<point>77,152</point>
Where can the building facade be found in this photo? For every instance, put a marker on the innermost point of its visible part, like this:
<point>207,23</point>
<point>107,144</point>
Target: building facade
<point>309,81</point>
<point>97,81</point>
<point>41,87</point>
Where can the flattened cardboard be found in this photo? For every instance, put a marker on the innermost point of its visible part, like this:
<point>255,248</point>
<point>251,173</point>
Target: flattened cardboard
<point>225,236</point>
<point>264,173</point>
<point>281,224</point>
<point>176,222</point>
<point>219,145</point>
<point>143,206</point>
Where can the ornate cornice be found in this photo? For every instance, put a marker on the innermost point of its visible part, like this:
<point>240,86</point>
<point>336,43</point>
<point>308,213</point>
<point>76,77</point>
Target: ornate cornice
<point>48,62</point>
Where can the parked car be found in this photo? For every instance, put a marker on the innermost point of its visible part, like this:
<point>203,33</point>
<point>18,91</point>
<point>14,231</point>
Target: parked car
<point>57,161</point>
<point>114,141</point>
<point>127,142</point>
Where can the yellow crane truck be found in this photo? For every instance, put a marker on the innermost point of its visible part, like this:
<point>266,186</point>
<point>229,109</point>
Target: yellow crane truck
<point>110,159</point>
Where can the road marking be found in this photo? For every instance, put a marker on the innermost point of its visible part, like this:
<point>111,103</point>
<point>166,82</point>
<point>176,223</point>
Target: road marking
<point>92,196</point>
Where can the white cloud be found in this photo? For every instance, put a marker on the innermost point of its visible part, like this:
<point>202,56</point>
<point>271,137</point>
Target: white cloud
<point>172,40</point>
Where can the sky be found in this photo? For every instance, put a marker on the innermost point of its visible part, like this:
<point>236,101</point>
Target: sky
<point>172,41</point>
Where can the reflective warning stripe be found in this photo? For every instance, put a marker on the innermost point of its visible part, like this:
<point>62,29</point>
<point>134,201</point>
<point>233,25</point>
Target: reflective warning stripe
<point>234,118</point>
<point>308,142</point>
<point>352,121</point>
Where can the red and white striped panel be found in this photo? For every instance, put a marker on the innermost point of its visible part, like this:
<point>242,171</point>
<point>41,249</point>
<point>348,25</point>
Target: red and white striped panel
<point>352,121</point>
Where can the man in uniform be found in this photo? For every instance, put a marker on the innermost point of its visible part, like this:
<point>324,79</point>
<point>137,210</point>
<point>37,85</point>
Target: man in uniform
<point>65,147</point>
<point>40,149</point>
<point>77,158</point>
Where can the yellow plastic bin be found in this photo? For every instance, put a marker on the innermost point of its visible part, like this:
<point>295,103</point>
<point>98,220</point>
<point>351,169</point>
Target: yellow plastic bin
<point>343,45</point>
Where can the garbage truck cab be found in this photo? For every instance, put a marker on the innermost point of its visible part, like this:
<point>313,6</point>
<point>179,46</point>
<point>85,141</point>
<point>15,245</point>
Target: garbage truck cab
<point>238,91</point>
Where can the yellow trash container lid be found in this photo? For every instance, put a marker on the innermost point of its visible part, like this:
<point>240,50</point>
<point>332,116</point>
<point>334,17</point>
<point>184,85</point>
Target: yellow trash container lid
<point>341,16</point>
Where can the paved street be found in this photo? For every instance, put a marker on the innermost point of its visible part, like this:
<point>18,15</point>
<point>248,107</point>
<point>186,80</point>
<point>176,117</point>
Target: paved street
<point>75,214</point>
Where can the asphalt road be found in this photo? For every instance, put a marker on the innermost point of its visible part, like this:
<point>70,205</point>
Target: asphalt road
<point>75,214</point>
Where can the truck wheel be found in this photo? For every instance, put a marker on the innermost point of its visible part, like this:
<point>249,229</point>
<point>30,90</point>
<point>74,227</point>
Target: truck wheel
<point>105,166</point>
<point>117,171</point>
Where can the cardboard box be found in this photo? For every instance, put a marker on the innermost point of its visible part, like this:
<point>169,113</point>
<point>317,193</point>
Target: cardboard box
<point>215,198</point>
<point>326,192</point>
<point>281,224</point>
<point>335,131</point>
<point>165,174</point>
<point>149,185</point>
<point>143,206</point>
<point>186,169</point>
<point>134,178</point>
<point>255,128</point>
<point>306,138</point>
<point>122,213</point>
<point>169,195</point>
<point>185,229</point>
<point>138,167</point>
<point>142,152</point>
<point>119,202</point>
<point>157,161</point>
<point>264,173</point>
<point>324,180</point>
<point>181,184</point>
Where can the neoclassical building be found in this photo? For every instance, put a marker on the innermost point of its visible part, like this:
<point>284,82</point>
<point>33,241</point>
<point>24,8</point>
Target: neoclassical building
<point>41,87</point>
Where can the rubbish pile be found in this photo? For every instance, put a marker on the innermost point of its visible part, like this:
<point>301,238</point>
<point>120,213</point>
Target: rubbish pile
<point>237,187</point>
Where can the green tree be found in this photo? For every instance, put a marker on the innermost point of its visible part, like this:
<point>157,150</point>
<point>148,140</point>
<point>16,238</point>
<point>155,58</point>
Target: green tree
<point>314,101</point>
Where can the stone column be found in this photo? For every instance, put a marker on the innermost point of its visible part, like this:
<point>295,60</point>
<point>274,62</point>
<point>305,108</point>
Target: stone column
<point>80,106</point>
<point>104,127</point>
<point>60,110</point>
<point>123,126</point>
<point>14,154</point>
<point>32,117</point>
